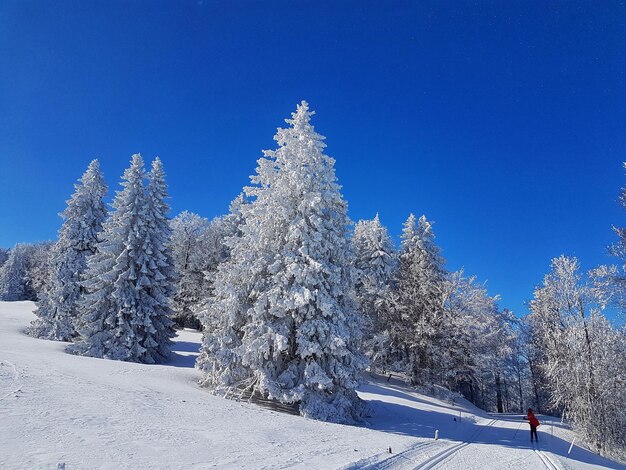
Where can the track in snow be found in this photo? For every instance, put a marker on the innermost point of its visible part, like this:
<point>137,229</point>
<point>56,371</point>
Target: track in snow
<point>445,454</point>
<point>409,458</point>
<point>399,460</point>
<point>547,460</point>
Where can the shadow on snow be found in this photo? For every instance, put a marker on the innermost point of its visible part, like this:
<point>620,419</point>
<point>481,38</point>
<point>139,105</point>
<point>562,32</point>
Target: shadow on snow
<point>184,354</point>
<point>402,419</point>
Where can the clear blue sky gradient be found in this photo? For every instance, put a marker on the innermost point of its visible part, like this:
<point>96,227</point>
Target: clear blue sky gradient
<point>504,122</point>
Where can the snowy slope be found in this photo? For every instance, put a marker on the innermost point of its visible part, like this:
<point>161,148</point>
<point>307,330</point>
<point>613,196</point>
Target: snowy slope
<point>91,413</point>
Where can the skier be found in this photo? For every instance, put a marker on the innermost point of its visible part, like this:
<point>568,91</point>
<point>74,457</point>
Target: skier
<point>534,424</point>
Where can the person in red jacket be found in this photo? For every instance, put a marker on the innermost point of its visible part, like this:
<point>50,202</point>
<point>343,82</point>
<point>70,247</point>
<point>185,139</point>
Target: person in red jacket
<point>534,423</point>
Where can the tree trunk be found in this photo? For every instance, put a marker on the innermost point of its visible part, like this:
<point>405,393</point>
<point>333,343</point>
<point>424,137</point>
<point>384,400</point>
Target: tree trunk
<point>498,393</point>
<point>507,402</point>
<point>519,384</point>
<point>534,381</point>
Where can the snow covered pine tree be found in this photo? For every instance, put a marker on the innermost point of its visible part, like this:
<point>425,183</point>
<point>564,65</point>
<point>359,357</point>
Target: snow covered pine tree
<point>125,313</point>
<point>24,273</point>
<point>159,272</point>
<point>78,236</point>
<point>13,274</point>
<point>282,322</point>
<point>415,302</point>
<point>376,261</point>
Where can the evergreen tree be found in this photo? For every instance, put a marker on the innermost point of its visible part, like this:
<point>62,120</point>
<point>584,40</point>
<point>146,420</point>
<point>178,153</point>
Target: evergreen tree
<point>282,321</point>
<point>78,236</point>
<point>375,263</point>
<point>4,255</point>
<point>160,271</point>
<point>416,303</point>
<point>234,219</point>
<point>124,315</point>
<point>13,274</point>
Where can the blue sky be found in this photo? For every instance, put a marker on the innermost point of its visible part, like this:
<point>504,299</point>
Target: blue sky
<point>504,122</point>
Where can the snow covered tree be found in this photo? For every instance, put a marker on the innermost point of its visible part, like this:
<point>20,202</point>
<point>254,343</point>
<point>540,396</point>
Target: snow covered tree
<point>532,353</point>
<point>198,247</point>
<point>4,255</point>
<point>375,262</point>
<point>38,269</point>
<point>466,346</point>
<point>125,313</point>
<point>78,236</point>
<point>282,322</point>
<point>159,274</point>
<point>620,248</point>
<point>13,274</point>
<point>583,358</point>
<point>234,219</point>
<point>610,281</point>
<point>416,303</point>
<point>25,273</point>
<point>187,232</point>
<point>495,340</point>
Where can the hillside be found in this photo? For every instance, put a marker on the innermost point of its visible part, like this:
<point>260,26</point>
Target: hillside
<point>88,413</point>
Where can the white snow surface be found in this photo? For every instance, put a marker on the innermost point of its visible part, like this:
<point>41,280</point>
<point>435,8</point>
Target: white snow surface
<point>86,413</point>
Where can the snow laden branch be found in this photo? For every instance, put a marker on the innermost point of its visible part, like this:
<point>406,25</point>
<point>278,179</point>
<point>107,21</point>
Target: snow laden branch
<point>79,235</point>
<point>125,311</point>
<point>581,356</point>
<point>282,318</point>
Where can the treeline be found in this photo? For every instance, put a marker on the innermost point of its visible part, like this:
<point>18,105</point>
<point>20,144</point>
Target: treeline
<point>295,305</point>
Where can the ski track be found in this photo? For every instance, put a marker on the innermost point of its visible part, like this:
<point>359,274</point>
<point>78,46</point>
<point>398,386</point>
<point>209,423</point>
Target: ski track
<point>410,456</point>
<point>396,461</point>
<point>547,461</point>
<point>440,458</point>
<point>446,457</point>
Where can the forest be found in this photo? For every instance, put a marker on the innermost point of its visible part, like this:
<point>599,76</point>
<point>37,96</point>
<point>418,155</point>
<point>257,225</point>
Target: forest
<point>296,302</point>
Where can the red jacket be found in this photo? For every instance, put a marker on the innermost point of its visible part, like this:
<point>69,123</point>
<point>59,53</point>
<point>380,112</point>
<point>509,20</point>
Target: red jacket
<point>532,419</point>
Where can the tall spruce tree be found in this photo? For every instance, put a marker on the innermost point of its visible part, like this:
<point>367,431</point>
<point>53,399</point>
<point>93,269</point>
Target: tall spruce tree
<point>375,263</point>
<point>78,236</point>
<point>124,315</point>
<point>282,321</point>
<point>160,269</point>
<point>416,302</point>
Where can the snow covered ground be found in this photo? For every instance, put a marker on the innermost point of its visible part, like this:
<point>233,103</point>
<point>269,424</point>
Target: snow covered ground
<point>88,413</point>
